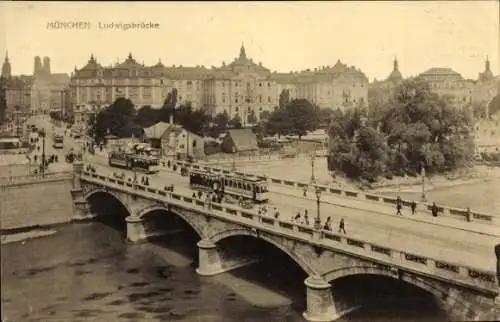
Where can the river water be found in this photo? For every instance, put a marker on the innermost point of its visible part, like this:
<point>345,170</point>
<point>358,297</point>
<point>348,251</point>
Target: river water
<point>86,272</point>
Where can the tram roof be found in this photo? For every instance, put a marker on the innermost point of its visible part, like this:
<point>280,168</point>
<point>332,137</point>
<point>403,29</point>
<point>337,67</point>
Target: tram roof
<point>245,178</point>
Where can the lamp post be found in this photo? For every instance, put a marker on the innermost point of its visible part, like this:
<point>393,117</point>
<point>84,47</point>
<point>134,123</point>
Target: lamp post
<point>233,168</point>
<point>42,134</point>
<point>313,179</point>
<point>317,220</point>
<point>422,173</point>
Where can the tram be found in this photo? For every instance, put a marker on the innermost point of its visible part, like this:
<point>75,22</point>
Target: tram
<point>58,141</point>
<point>248,188</point>
<point>138,157</point>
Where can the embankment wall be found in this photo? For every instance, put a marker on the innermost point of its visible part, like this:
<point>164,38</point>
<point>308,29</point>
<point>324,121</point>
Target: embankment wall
<point>32,203</point>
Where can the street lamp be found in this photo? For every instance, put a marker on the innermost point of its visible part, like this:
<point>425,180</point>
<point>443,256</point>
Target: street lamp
<point>42,134</point>
<point>233,169</point>
<point>313,179</point>
<point>317,220</point>
<point>422,173</point>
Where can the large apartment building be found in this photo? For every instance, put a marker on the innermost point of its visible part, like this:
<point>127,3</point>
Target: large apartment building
<point>241,87</point>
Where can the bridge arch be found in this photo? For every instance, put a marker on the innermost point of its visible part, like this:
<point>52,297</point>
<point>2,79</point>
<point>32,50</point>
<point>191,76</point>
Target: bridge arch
<point>92,192</point>
<point>219,236</point>
<point>440,293</point>
<point>149,209</point>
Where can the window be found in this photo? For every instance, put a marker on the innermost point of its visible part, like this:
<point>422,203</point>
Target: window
<point>268,84</point>
<point>269,99</point>
<point>194,143</point>
<point>236,109</point>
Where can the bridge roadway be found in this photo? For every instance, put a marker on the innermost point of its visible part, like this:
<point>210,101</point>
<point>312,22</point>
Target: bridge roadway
<point>420,238</point>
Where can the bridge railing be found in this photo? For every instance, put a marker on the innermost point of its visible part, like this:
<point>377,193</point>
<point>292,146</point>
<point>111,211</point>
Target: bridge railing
<point>390,257</point>
<point>12,180</point>
<point>452,212</point>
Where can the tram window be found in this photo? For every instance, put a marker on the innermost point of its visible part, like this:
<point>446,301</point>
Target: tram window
<point>239,185</point>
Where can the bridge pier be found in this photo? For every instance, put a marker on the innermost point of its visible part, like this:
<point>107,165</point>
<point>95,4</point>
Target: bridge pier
<point>136,231</point>
<point>82,210</point>
<point>209,261</point>
<point>212,261</point>
<point>320,305</point>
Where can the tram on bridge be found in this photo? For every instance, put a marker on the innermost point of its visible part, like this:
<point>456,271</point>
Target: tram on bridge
<point>248,188</point>
<point>138,157</point>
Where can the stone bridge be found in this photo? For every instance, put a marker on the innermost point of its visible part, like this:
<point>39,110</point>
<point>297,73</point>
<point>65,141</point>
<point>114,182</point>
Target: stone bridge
<point>465,293</point>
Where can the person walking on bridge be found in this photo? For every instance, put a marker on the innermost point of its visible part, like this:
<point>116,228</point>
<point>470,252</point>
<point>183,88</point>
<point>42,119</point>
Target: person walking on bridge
<point>434,210</point>
<point>398,206</point>
<point>413,207</point>
<point>342,226</point>
<point>328,224</point>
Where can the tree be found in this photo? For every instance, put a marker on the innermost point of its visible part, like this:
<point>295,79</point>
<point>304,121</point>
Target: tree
<point>284,98</point>
<point>264,115</point>
<point>279,122</point>
<point>415,128</point>
<point>147,116</point>
<point>494,106</point>
<point>195,121</point>
<point>119,118</point>
<point>219,124</point>
<point>252,118</point>
<point>298,117</point>
<point>304,116</point>
<point>236,122</point>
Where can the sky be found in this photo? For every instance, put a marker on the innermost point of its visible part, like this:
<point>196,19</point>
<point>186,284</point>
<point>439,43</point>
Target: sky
<point>283,36</point>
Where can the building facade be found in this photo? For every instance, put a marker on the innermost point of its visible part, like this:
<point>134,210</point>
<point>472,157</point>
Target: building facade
<point>462,93</point>
<point>242,88</point>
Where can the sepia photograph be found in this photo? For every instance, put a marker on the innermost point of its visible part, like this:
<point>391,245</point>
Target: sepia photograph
<point>241,161</point>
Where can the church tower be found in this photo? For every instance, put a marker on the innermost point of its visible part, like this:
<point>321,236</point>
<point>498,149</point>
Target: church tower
<point>38,66</point>
<point>487,75</point>
<point>46,65</point>
<point>6,68</point>
<point>395,74</point>
<point>243,54</point>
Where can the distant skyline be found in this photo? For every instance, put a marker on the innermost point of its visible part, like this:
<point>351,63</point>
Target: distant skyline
<point>283,36</point>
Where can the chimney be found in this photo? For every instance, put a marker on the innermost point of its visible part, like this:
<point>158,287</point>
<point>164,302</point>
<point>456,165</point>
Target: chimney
<point>171,119</point>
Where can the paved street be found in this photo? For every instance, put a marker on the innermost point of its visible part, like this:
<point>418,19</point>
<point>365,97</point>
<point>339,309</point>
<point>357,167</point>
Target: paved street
<point>369,224</point>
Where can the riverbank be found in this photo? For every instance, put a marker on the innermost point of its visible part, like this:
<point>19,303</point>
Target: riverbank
<point>23,236</point>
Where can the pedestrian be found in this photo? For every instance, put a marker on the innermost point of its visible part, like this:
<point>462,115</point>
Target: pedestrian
<point>434,210</point>
<point>276,214</point>
<point>306,219</point>
<point>305,192</point>
<point>200,194</point>
<point>468,214</point>
<point>328,224</point>
<point>398,206</point>
<point>413,207</point>
<point>194,195</point>
<point>342,226</point>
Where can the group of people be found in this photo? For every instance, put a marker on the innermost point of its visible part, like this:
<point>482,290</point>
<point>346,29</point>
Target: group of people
<point>262,210</point>
<point>434,209</point>
<point>304,220</point>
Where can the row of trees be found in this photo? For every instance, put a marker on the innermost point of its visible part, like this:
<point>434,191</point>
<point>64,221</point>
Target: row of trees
<point>416,129</point>
<point>121,119</point>
<point>290,117</point>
